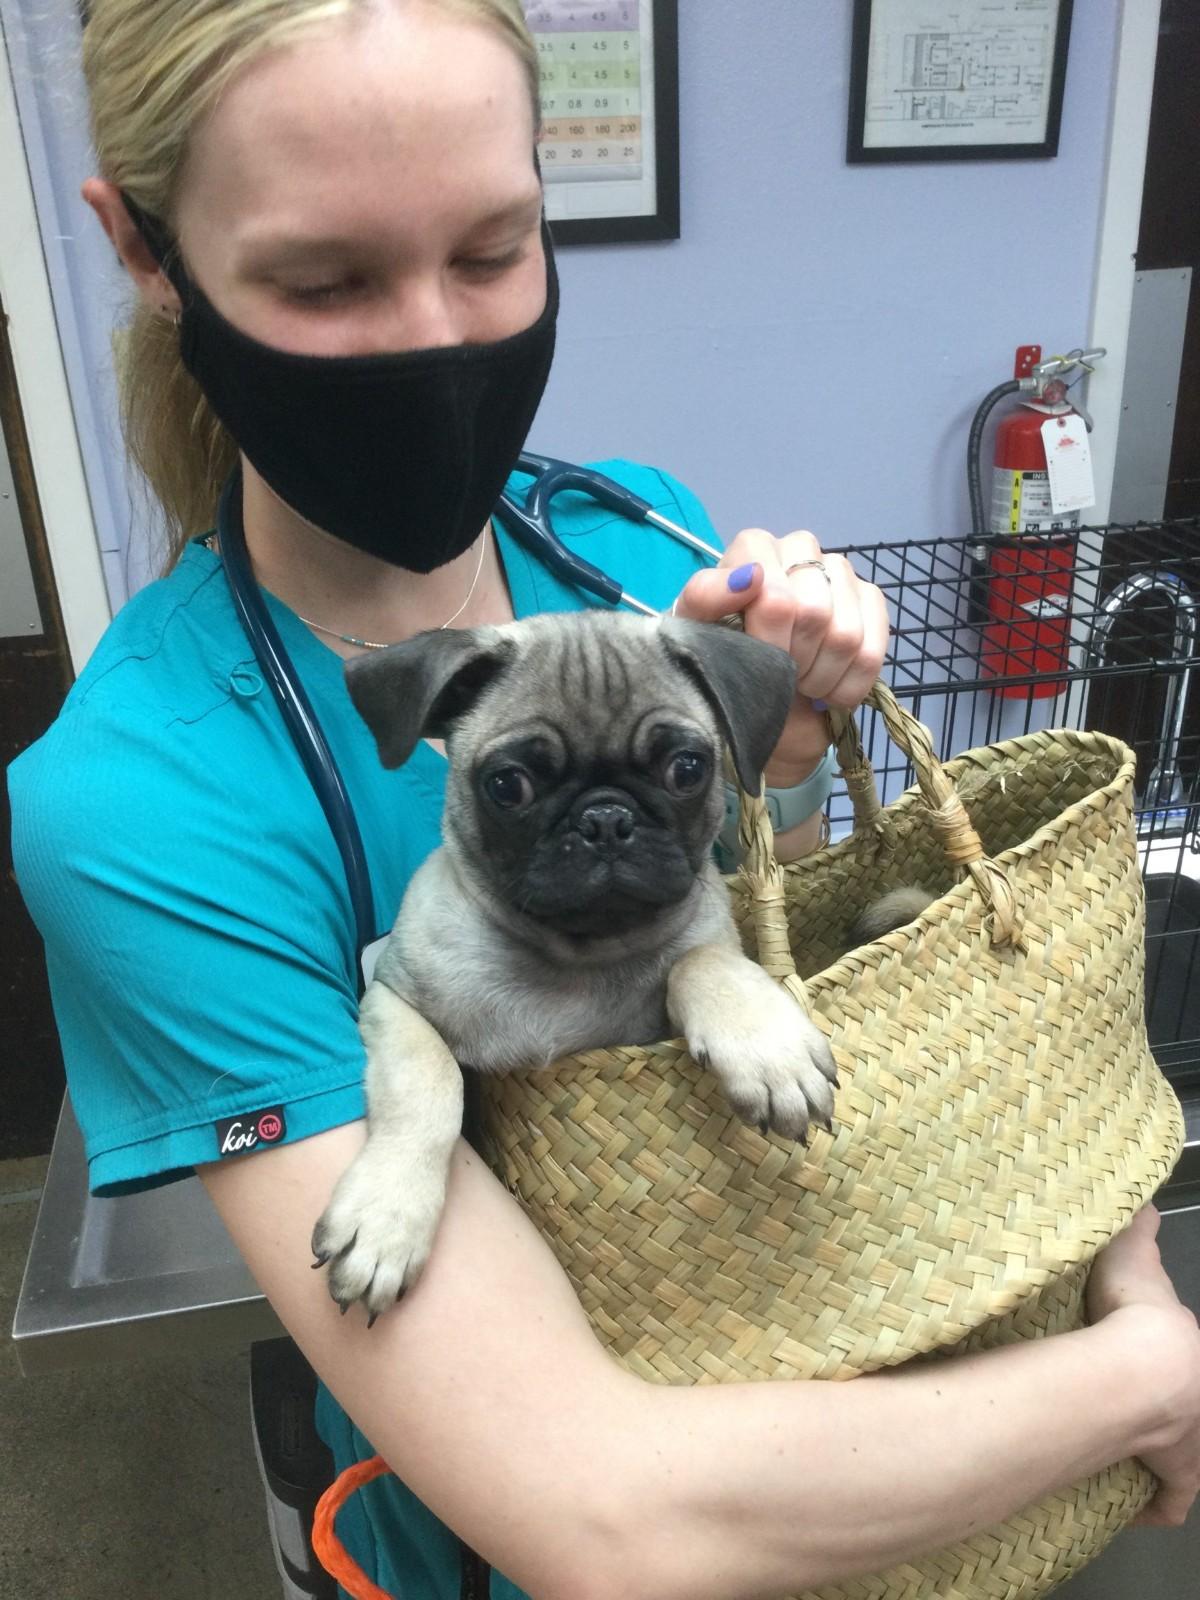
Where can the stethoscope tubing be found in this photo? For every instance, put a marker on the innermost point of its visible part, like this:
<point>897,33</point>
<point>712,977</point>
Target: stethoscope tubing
<point>296,709</point>
<point>531,526</point>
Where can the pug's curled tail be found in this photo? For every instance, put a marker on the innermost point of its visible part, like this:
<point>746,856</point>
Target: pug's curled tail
<point>890,911</point>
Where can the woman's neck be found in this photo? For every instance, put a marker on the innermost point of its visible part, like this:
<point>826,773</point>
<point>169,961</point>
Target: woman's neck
<point>327,581</point>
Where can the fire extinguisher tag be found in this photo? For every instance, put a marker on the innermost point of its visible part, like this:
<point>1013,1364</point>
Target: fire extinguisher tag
<point>1069,463</point>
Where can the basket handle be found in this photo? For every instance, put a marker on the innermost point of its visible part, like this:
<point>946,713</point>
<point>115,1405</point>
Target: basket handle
<point>947,814</point>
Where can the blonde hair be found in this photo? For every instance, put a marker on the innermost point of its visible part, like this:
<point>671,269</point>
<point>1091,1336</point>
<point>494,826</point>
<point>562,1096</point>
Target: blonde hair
<point>154,69</point>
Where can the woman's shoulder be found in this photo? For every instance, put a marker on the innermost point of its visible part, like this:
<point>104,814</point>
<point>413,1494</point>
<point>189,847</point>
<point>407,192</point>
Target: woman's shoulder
<point>167,649</point>
<point>141,736</point>
<point>165,660</point>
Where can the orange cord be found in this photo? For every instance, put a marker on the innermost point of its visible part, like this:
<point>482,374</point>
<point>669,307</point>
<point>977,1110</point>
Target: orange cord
<point>329,1549</point>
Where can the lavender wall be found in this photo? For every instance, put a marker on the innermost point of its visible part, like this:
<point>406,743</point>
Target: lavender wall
<point>810,352</point>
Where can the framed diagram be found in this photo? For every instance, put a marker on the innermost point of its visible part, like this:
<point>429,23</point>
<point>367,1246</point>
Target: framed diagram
<point>609,145</point>
<point>957,80</point>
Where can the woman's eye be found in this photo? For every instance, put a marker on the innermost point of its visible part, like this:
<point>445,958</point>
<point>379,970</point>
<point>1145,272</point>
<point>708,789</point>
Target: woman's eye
<point>320,294</point>
<point>509,788</point>
<point>490,266</point>
<point>686,772</point>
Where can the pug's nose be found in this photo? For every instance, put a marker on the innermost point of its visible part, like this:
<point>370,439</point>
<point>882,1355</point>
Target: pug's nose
<point>607,824</point>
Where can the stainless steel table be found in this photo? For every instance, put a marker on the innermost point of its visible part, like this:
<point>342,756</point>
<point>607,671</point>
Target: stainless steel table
<point>109,1280</point>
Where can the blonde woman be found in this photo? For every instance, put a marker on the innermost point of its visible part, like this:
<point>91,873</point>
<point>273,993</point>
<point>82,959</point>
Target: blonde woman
<point>328,209</point>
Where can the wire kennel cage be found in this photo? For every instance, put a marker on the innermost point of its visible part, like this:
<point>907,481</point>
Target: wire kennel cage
<point>1099,629</point>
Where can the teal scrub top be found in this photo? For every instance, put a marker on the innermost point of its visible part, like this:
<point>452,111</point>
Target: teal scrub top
<point>198,929</point>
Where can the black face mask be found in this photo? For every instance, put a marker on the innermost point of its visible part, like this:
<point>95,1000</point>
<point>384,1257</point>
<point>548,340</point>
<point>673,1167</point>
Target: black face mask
<point>403,456</point>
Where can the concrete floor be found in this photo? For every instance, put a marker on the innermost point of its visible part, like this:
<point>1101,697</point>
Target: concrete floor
<point>131,1482</point>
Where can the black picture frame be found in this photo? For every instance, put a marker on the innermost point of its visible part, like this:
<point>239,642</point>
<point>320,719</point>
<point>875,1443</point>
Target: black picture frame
<point>857,151</point>
<point>663,223</point>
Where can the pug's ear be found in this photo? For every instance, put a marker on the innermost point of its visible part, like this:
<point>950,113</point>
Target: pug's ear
<point>748,684</point>
<point>417,689</point>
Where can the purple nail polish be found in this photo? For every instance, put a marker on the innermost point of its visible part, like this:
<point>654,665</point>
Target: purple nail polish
<point>742,577</point>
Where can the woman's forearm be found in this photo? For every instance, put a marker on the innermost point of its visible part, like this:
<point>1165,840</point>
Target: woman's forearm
<point>766,1489</point>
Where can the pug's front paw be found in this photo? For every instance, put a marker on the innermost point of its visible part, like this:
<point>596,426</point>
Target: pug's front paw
<point>775,1066</point>
<point>377,1230</point>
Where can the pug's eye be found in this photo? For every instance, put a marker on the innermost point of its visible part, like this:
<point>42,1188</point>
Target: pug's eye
<point>686,772</point>
<point>509,788</point>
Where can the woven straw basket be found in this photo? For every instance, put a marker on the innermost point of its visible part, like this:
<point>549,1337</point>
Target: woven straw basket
<point>1000,1119</point>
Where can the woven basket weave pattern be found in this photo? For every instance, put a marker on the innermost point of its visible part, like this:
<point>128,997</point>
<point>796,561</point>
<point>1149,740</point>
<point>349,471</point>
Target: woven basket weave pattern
<point>1000,1119</point>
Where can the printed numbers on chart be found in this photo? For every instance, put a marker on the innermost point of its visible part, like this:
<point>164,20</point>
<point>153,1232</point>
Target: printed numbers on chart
<point>564,16</point>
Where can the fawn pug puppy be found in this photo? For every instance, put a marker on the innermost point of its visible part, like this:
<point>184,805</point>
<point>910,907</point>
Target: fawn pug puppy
<point>574,902</point>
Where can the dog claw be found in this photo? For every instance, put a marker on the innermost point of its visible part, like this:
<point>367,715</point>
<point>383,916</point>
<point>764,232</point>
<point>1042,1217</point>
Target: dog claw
<point>348,1246</point>
<point>372,1319</point>
<point>343,1306</point>
<point>320,1262</point>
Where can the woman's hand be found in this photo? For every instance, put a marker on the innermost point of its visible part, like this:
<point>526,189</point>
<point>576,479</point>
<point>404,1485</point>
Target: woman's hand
<point>811,604</point>
<point>1128,1285</point>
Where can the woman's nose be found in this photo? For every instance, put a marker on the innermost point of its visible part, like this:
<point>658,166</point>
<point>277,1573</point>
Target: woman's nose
<point>424,317</point>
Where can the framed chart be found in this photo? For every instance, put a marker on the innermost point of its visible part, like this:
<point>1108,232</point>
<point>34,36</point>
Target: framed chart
<point>957,80</point>
<point>609,146</point>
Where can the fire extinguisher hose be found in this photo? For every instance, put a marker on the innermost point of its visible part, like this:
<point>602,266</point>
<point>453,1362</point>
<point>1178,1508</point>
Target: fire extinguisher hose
<point>979,525</point>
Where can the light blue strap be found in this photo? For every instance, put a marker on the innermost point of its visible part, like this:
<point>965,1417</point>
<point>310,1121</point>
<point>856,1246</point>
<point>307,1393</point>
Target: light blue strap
<point>786,808</point>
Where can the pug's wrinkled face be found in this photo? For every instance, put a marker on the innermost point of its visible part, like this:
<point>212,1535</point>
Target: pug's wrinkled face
<point>590,818</point>
<point>586,782</point>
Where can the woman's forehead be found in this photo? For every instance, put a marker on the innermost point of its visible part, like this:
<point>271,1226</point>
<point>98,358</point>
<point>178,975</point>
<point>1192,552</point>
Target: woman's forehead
<point>402,108</point>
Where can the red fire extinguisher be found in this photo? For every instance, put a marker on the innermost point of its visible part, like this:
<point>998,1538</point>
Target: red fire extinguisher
<point>1024,571</point>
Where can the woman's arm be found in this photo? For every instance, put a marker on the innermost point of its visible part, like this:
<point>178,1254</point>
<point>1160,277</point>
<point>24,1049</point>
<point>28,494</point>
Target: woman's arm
<point>487,1392</point>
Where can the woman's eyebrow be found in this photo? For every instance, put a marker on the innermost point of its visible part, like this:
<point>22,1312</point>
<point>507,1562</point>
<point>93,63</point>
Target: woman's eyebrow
<point>527,209</point>
<point>285,248</point>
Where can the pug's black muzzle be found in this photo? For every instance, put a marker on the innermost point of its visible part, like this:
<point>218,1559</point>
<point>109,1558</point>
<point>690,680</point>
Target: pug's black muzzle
<point>607,868</point>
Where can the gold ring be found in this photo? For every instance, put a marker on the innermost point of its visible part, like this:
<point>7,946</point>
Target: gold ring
<point>796,566</point>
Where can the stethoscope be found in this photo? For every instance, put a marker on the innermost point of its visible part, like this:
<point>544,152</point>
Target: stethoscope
<point>530,525</point>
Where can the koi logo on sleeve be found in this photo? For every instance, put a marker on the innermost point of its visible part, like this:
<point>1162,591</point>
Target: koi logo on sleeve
<point>236,1135</point>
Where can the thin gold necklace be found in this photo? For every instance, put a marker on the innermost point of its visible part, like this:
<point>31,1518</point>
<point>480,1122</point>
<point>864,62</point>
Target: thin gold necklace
<point>372,644</point>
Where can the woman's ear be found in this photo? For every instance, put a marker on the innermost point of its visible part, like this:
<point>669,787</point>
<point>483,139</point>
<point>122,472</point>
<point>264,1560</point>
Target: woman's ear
<point>151,282</point>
